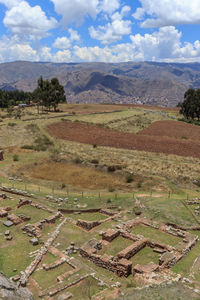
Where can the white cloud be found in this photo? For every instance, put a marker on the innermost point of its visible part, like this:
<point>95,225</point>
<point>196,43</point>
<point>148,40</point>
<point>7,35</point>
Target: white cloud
<point>62,56</point>
<point>65,42</point>
<point>74,36</point>
<point>113,31</point>
<point>168,12</point>
<point>162,45</point>
<point>10,3</point>
<point>11,49</point>
<point>24,20</point>
<point>109,6</point>
<point>62,43</point>
<point>76,10</point>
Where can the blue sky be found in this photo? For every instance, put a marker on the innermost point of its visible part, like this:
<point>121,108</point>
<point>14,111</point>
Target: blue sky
<point>100,30</point>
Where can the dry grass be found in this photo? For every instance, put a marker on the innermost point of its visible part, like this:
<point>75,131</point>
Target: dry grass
<point>76,175</point>
<point>175,168</point>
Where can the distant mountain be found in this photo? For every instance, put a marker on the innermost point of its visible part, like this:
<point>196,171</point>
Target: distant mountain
<point>146,82</point>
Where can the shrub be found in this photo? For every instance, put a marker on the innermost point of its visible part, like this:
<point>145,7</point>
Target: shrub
<point>77,160</point>
<point>31,147</point>
<point>12,124</point>
<point>94,161</point>
<point>63,185</point>
<point>41,143</point>
<point>111,189</point>
<point>111,168</point>
<point>139,185</point>
<point>130,284</point>
<point>15,157</point>
<point>33,127</point>
<point>94,145</point>
<point>129,178</point>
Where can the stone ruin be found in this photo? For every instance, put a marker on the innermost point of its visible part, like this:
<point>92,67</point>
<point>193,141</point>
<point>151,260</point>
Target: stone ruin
<point>122,266</point>
<point>88,225</point>
<point>35,229</point>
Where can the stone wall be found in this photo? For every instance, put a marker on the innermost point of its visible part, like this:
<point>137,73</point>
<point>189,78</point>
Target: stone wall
<point>122,267</point>
<point>32,267</point>
<point>54,265</point>
<point>88,225</point>
<point>132,249</point>
<point>110,235</point>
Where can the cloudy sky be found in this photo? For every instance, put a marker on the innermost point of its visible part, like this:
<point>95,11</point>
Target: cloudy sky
<point>100,30</point>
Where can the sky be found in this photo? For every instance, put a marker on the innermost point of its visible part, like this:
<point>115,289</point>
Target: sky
<point>66,31</point>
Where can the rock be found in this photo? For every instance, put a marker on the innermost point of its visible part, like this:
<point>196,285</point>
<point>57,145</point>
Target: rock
<point>8,290</point>
<point>34,241</point>
<point>16,278</point>
<point>9,237</point>
<point>7,232</point>
<point>8,223</point>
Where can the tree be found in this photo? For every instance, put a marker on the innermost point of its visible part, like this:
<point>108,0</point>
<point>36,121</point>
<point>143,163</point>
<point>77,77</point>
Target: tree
<point>190,107</point>
<point>49,93</point>
<point>57,93</point>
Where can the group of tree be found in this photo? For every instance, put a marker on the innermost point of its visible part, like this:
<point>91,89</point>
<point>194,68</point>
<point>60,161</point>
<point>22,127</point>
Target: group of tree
<point>48,94</point>
<point>190,107</point>
<point>12,98</point>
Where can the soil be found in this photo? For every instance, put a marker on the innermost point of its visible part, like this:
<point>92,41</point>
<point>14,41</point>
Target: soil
<point>179,130</point>
<point>91,134</point>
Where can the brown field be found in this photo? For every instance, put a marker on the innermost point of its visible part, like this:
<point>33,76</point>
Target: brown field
<point>90,134</point>
<point>76,175</point>
<point>100,108</point>
<point>173,129</point>
<point>145,106</point>
<point>91,108</point>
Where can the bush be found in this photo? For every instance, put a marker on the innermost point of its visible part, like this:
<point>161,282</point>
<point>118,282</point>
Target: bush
<point>130,284</point>
<point>111,189</point>
<point>111,168</point>
<point>139,185</point>
<point>63,185</point>
<point>94,161</point>
<point>30,147</point>
<point>11,124</point>
<point>15,157</point>
<point>33,127</point>
<point>77,160</point>
<point>94,145</point>
<point>129,178</point>
<point>41,143</point>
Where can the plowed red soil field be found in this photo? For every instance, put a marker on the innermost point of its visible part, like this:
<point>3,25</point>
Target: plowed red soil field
<point>179,130</point>
<point>91,134</point>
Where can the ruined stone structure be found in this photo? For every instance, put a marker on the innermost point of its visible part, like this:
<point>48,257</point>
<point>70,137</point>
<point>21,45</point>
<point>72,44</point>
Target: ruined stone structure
<point>121,265</point>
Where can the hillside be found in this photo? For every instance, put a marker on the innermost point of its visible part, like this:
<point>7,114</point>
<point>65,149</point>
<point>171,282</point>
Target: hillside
<point>147,82</point>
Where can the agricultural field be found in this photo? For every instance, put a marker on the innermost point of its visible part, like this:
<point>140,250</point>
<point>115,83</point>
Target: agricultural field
<point>103,200</point>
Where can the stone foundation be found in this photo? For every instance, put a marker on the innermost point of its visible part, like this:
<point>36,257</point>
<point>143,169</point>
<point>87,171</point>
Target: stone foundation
<point>132,249</point>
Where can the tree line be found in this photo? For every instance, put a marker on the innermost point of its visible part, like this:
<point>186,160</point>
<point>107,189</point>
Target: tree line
<point>190,107</point>
<point>48,94</point>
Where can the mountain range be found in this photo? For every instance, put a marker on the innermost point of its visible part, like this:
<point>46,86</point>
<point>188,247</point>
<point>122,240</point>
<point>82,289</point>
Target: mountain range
<point>132,82</point>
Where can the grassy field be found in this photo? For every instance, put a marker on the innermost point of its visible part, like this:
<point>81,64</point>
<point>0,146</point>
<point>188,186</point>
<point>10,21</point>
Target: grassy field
<point>156,235</point>
<point>46,278</point>
<point>79,174</point>
<point>145,256</point>
<point>116,246</point>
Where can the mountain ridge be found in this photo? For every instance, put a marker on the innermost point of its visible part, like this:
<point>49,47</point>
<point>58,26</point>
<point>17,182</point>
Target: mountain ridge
<point>154,83</point>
